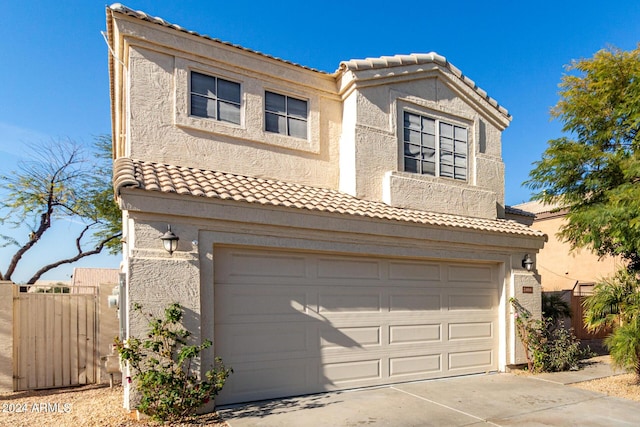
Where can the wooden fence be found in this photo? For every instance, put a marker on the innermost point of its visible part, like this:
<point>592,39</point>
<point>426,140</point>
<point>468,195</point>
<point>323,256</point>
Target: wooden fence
<point>55,338</point>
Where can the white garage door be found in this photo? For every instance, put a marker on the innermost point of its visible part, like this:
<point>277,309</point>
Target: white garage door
<point>292,323</point>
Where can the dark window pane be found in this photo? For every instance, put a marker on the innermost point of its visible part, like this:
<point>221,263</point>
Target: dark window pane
<point>297,128</point>
<point>446,144</point>
<point>203,107</point>
<point>429,154</point>
<point>428,168</point>
<point>297,108</point>
<point>461,147</point>
<point>412,136</point>
<point>446,157</point>
<point>274,102</point>
<point>460,161</point>
<point>229,112</point>
<point>411,150</point>
<point>410,165</point>
<point>446,130</point>
<point>446,170</point>
<point>428,125</point>
<point>229,91</point>
<point>412,121</point>
<point>429,140</point>
<point>203,85</point>
<point>461,173</point>
<point>460,134</point>
<point>275,123</point>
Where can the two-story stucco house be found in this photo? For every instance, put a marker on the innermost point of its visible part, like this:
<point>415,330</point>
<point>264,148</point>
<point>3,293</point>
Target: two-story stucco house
<point>336,230</point>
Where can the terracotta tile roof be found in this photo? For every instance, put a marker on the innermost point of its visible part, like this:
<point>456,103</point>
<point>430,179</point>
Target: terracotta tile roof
<point>226,186</point>
<point>417,59</point>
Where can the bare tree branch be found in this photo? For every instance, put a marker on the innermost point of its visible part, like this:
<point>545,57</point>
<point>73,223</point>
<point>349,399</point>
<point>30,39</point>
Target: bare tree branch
<point>73,259</point>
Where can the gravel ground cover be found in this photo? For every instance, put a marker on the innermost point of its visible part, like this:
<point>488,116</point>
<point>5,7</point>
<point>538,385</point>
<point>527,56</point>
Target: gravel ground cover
<point>623,386</point>
<point>90,406</point>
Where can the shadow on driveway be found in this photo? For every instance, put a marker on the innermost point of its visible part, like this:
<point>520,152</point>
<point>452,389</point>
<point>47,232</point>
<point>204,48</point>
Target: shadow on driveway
<point>494,399</point>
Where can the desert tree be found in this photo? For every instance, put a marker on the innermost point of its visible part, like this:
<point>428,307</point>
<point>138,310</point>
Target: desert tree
<point>59,181</point>
<point>593,172</point>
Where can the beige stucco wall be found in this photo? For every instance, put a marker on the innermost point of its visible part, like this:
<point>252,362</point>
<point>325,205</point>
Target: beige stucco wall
<point>560,267</point>
<point>355,121</point>
<point>6,336</point>
<point>373,117</point>
<point>159,128</point>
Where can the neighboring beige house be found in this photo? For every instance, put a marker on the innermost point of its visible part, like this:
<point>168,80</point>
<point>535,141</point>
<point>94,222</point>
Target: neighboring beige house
<point>559,267</point>
<point>336,230</point>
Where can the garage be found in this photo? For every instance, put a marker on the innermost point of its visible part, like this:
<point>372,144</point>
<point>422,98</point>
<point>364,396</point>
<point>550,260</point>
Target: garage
<point>292,323</point>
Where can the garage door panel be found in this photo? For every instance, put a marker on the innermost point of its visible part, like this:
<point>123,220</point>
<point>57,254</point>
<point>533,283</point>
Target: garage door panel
<point>265,342</point>
<point>251,381</point>
<point>483,274</point>
<point>341,373</point>
<point>237,266</point>
<point>259,300</point>
<point>401,367</point>
<point>471,360</point>
<point>360,337</point>
<point>344,322</point>
<point>414,271</point>
<point>414,302</point>
<point>471,301</point>
<point>415,334</point>
<point>349,301</point>
<point>341,268</point>
<point>467,331</point>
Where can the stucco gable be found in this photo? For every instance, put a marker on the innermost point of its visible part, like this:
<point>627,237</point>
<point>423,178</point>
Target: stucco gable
<point>186,181</point>
<point>402,67</point>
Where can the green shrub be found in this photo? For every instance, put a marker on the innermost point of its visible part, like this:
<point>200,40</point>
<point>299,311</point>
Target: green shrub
<point>547,348</point>
<point>162,368</point>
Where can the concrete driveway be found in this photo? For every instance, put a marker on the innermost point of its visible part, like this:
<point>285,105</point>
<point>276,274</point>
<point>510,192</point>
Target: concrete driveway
<point>494,399</point>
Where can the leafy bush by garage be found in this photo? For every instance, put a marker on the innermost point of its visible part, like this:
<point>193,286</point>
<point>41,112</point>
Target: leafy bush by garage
<point>163,371</point>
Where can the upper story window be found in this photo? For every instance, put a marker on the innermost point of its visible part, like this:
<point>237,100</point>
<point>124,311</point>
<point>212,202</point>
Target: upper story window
<point>215,98</point>
<point>285,115</point>
<point>434,147</point>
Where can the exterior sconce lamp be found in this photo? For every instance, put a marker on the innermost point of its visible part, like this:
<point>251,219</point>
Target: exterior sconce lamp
<point>527,262</point>
<point>169,240</point>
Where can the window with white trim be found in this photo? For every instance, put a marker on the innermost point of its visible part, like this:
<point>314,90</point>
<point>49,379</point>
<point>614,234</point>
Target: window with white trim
<point>215,98</point>
<point>434,147</point>
<point>285,115</point>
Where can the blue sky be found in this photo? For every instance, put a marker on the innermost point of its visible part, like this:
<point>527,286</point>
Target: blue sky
<point>54,79</point>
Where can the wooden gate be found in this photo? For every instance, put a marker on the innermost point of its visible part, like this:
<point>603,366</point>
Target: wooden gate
<point>578,294</point>
<point>55,338</point>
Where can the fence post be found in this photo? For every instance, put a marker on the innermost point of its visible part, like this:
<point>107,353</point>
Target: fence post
<point>6,336</point>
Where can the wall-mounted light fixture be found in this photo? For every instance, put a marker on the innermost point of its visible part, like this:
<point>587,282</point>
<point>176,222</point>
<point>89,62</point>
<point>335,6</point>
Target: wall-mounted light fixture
<point>169,240</point>
<point>527,262</point>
